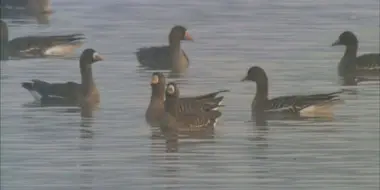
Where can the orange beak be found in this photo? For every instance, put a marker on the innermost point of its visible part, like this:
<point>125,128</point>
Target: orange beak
<point>188,36</point>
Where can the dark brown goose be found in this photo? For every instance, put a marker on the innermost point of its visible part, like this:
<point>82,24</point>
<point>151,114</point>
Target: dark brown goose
<point>354,69</point>
<point>69,93</point>
<point>156,108</point>
<point>170,57</point>
<point>38,46</point>
<point>176,123</point>
<point>287,107</point>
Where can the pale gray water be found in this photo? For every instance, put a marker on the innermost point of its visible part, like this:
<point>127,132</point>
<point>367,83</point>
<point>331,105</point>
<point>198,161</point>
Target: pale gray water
<point>42,148</point>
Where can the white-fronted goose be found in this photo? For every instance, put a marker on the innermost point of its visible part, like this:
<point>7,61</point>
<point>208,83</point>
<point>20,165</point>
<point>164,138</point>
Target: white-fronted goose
<point>156,108</point>
<point>176,123</point>
<point>69,93</point>
<point>170,57</point>
<point>287,107</point>
<point>354,69</point>
<point>38,46</point>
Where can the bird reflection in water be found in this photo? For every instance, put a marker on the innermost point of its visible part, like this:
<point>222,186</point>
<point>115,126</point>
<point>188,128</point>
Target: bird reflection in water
<point>172,171</point>
<point>166,167</point>
<point>87,119</point>
<point>172,140</point>
<point>260,148</point>
<point>86,135</point>
<point>166,160</point>
<point>260,124</point>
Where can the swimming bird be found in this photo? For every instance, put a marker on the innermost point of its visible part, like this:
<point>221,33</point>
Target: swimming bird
<point>201,103</point>
<point>38,46</point>
<point>354,69</point>
<point>168,57</point>
<point>69,93</point>
<point>176,123</point>
<point>287,107</point>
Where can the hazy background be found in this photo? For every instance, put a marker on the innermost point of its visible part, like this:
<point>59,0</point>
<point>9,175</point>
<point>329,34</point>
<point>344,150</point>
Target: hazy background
<point>46,148</point>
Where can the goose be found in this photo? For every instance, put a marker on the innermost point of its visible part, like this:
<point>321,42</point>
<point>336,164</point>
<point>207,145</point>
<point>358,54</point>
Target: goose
<point>168,57</point>
<point>353,68</point>
<point>287,107</point>
<point>69,93</point>
<point>38,46</point>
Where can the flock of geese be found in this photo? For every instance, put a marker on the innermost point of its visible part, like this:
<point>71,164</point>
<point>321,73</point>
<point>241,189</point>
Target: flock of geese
<point>171,114</point>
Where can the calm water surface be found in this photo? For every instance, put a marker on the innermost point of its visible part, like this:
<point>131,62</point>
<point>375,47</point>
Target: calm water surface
<point>51,148</point>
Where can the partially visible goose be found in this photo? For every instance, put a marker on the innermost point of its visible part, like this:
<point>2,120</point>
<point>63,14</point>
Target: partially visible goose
<point>38,46</point>
<point>42,6</point>
<point>287,107</point>
<point>156,108</point>
<point>69,93</point>
<point>170,57</point>
<point>176,123</point>
<point>353,68</point>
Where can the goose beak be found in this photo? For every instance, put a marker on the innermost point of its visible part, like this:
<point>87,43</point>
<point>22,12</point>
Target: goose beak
<point>98,57</point>
<point>337,42</point>
<point>244,79</point>
<point>188,36</point>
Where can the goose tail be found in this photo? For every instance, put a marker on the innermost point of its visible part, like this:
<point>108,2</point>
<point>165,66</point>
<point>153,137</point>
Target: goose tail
<point>31,88</point>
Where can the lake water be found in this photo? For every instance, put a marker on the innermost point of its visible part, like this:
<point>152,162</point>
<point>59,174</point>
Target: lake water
<point>50,148</point>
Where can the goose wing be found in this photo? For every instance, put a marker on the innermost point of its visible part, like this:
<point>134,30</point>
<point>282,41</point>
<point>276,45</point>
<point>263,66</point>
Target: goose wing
<point>296,103</point>
<point>50,90</point>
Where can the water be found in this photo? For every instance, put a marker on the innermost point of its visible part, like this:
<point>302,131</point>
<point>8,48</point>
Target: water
<point>50,148</point>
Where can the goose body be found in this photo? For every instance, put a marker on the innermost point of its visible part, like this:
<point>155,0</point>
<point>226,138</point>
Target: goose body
<point>48,93</point>
<point>298,106</point>
<point>176,123</point>
<point>368,65</point>
<point>38,46</point>
<point>170,57</point>
<point>158,58</point>
<point>287,107</point>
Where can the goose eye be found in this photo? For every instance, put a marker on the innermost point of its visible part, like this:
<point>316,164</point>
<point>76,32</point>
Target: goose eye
<point>170,89</point>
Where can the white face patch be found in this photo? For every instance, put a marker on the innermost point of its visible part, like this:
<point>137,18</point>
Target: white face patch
<point>170,89</point>
<point>95,55</point>
<point>155,79</point>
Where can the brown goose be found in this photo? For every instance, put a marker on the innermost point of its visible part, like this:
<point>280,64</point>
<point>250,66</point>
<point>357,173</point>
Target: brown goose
<point>69,93</point>
<point>38,46</point>
<point>156,108</point>
<point>354,69</point>
<point>170,57</point>
<point>176,123</point>
<point>287,107</point>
